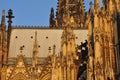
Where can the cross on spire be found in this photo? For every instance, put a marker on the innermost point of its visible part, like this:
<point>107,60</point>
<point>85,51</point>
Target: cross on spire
<point>10,16</point>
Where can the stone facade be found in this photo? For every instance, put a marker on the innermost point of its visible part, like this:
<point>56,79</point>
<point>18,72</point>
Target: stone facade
<point>102,34</point>
<point>60,57</point>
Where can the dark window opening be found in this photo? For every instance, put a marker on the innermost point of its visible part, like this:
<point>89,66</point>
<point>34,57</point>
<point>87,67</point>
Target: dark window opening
<point>39,46</point>
<point>31,37</point>
<point>16,37</point>
<point>46,37</point>
<point>23,46</point>
<point>76,37</point>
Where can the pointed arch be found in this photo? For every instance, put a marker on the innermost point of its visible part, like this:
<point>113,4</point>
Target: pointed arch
<point>46,76</point>
<point>19,76</point>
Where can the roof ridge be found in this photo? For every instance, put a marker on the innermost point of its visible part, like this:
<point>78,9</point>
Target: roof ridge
<point>29,26</point>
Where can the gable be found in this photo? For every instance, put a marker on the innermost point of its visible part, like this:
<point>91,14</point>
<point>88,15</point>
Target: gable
<point>20,70</point>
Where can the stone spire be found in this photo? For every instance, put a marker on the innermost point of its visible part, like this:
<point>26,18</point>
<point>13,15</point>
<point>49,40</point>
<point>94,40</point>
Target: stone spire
<point>35,51</point>
<point>1,38</point>
<point>52,19</point>
<point>2,26</point>
<point>90,73</point>
<point>3,19</point>
<point>10,16</point>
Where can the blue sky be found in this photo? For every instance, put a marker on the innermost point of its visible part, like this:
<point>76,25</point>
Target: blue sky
<point>31,12</point>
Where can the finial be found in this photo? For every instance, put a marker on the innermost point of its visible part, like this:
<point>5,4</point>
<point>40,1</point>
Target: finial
<point>10,16</point>
<point>35,48</point>
<point>72,19</point>
<point>90,4</point>
<point>52,10</point>
<point>49,51</point>
<point>3,18</point>
<point>35,35</point>
<point>54,49</point>
<point>3,12</point>
<point>21,49</point>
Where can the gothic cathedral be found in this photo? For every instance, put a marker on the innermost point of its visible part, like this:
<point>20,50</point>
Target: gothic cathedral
<point>77,44</point>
